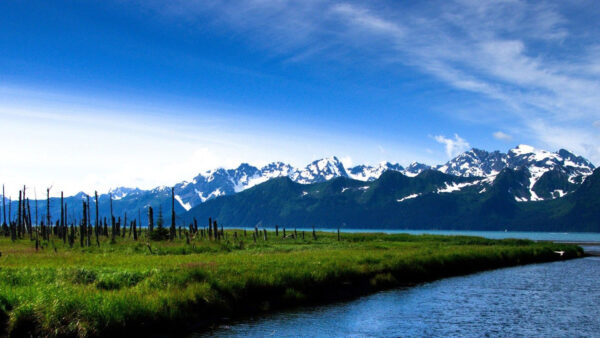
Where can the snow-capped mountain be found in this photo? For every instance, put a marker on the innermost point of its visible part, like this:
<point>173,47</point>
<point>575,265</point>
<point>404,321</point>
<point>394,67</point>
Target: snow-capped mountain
<point>561,170</point>
<point>219,182</point>
<point>548,175</point>
<point>430,200</point>
<point>371,173</point>
<point>527,174</point>
<point>475,162</point>
<point>215,183</point>
<point>121,192</point>
<point>320,171</point>
<point>415,169</point>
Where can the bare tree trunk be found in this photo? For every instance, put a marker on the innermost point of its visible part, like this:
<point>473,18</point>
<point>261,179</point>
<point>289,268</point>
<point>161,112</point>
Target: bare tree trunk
<point>112,221</point>
<point>9,207</point>
<point>82,225</point>
<point>150,219</point>
<point>29,225</point>
<point>3,206</point>
<point>135,234</point>
<point>48,222</point>
<point>62,215</point>
<point>97,227</point>
<point>24,212</point>
<point>172,232</point>
<point>216,230</point>
<point>19,215</point>
<point>66,220</point>
<point>65,226</point>
<point>88,223</point>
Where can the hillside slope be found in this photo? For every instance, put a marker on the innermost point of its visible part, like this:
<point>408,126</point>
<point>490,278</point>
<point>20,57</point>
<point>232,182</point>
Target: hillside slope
<point>430,200</point>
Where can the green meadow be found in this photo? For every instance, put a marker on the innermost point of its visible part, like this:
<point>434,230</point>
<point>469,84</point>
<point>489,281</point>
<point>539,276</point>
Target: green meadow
<point>191,283</point>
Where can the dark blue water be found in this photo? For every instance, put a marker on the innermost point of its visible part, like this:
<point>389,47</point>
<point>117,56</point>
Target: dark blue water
<point>560,299</point>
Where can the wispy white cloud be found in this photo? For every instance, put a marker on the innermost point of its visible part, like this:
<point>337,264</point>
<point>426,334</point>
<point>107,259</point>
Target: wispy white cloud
<point>526,55</point>
<point>453,146</point>
<point>577,139</point>
<point>363,18</point>
<point>499,135</point>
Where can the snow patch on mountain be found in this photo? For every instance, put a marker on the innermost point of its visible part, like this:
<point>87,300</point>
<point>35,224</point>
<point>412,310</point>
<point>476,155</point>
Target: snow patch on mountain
<point>455,186</point>
<point>408,197</point>
<point>118,197</point>
<point>216,193</point>
<point>535,174</point>
<point>186,206</point>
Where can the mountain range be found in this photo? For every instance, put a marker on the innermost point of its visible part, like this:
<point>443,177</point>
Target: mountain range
<point>429,200</point>
<point>541,176</point>
<point>569,171</point>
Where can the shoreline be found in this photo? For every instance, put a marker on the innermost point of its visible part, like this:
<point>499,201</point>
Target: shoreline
<point>353,296</point>
<point>269,278</point>
<point>331,294</point>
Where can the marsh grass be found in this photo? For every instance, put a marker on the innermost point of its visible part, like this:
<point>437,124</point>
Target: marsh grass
<point>123,287</point>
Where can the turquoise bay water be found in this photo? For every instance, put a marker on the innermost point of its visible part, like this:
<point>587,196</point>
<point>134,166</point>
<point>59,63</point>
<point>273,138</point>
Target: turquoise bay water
<point>537,236</point>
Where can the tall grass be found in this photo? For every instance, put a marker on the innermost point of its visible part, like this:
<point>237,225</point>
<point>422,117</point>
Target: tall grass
<point>123,287</point>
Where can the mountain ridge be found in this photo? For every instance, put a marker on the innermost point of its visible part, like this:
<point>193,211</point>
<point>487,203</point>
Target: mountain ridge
<point>396,201</point>
<point>544,176</point>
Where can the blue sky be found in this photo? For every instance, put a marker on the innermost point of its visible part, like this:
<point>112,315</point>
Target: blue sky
<point>99,94</point>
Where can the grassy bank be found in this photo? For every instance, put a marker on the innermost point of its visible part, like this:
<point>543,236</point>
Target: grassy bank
<point>128,286</point>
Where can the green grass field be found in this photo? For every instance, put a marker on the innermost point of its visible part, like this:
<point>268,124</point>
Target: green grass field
<point>123,287</point>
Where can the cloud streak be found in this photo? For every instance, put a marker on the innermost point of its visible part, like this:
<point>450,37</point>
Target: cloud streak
<point>453,146</point>
<point>530,57</point>
<point>502,136</point>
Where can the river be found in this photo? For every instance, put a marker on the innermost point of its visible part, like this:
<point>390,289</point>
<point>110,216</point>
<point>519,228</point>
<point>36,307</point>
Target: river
<point>560,299</point>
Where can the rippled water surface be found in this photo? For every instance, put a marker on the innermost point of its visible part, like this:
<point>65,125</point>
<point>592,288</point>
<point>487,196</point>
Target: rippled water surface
<point>551,299</point>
